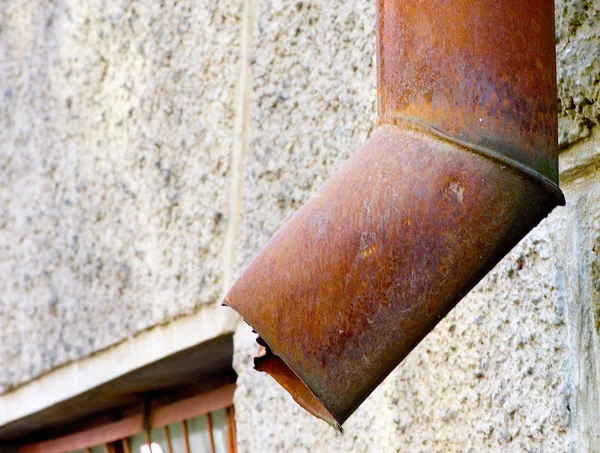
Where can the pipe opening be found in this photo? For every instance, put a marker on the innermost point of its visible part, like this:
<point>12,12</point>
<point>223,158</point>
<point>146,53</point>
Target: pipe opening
<point>269,362</point>
<point>275,366</point>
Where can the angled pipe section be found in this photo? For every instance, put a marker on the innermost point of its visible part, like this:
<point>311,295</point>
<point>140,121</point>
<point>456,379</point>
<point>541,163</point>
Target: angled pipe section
<point>461,167</point>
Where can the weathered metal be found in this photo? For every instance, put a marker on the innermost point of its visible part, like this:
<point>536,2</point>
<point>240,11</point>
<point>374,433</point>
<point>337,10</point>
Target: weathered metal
<point>480,72</point>
<point>462,167</point>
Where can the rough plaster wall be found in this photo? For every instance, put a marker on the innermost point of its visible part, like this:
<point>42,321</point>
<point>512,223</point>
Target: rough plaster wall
<point>514,367</point>
<point>578,67</point>
<point>116,130</point>
<point>576,241</point>
<point>313,99</point>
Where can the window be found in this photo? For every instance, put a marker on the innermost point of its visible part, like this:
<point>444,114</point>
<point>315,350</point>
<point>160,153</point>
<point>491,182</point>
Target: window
<point>202,423</point>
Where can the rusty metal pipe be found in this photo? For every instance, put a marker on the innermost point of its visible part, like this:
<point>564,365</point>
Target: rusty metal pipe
<point>462,166</point>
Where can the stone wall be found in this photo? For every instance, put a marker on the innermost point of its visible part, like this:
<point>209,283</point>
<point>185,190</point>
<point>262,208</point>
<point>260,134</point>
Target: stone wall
<point>117,128</point>
<point>578,61</point>
<point>149,149</point>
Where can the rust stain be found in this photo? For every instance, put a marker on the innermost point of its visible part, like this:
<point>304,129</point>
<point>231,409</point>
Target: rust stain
<point>480,71</point>
<point>462,167</point>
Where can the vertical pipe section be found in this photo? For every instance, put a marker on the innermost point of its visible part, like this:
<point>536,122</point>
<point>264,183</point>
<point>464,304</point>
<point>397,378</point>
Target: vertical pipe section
<point>481,73</point>
<point>462,166</point>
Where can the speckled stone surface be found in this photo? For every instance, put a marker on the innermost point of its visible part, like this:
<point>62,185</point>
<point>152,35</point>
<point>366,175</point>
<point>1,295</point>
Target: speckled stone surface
<point>578,67</point>
<point>313,102</point>
<point>575,236</point>
<point>116,127</point>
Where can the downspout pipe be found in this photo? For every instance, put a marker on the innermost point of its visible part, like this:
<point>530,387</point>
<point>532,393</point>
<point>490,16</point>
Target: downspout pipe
<point>463,164</point>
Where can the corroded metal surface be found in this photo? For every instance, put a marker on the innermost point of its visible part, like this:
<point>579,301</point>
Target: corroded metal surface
<point>479,71</point>
<point>461,168</point>
<point>368,266</point>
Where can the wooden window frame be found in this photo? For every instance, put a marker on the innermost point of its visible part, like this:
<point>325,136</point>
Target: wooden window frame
<point>161,417</point>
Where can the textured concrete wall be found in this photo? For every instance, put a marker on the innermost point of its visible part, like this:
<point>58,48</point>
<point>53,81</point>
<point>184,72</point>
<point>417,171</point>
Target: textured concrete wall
<point>116,132</point>
<point>128,162</point>
<point>575,236</point>
<point>313,99</point>
<point>578,61</point>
